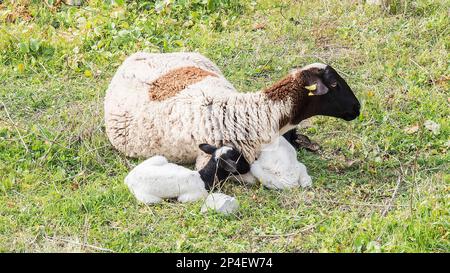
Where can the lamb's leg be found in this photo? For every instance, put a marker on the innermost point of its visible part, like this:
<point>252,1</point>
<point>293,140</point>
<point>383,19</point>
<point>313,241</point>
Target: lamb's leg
<point>269,179</point>
<point>192,196</point>
<point>305,180</point>
<point>300,141</point>
<point>147,198</point>
<point>247,178</point>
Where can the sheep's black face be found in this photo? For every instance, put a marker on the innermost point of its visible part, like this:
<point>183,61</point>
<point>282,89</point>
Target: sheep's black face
<point>329,94</point>
<point>340,101</point>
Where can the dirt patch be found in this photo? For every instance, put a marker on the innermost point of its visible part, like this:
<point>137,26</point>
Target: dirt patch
<point>176,80</point>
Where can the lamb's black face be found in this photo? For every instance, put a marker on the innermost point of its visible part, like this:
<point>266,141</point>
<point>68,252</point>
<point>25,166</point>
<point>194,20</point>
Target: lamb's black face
<point>224,160</point>
<point>332,97</point>
<point>227,158</point>
<point>233,162</point>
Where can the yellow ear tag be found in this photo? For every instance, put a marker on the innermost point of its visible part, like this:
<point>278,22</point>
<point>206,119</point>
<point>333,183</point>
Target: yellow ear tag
<point>311,88</point>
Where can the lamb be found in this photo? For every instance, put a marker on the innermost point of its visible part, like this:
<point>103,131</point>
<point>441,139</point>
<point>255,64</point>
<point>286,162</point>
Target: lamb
<point>156,178</point>
<point>277,167</point>
<point>156,101</point>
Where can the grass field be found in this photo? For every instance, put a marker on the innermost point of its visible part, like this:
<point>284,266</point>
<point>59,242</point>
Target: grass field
<point>381,183</point>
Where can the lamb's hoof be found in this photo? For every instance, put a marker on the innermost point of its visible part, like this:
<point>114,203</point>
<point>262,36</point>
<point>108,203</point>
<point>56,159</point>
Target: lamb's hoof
<point>281,185</point>
<point>192,197</point>
<point>221,203</point>
<point>306,182</point>
<point>306,143</point>
<point>148,199</point>
<point>247,178</point>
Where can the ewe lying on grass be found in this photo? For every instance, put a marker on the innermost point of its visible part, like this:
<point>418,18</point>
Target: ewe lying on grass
<point>156,178</point>
<point>158,101</point>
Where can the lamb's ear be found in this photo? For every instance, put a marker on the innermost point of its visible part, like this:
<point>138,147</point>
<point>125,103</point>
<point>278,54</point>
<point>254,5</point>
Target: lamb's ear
<point>317,89</point>
<point>209,149</point>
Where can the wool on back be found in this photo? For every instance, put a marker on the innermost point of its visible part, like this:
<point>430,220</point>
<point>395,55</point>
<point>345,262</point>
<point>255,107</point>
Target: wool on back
<point>205,108</point>
<point>129,98</point>
<point>245,121</point>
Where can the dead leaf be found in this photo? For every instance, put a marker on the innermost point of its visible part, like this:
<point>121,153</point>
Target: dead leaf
<point>74,186</point>
<point>350,162</point>
<point>19,12</point>
<point>258,26</point>
<point>443,80</point>
<point>412,129</point>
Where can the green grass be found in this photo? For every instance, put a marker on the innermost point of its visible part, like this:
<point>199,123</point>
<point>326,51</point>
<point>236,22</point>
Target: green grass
<point>61,182</point>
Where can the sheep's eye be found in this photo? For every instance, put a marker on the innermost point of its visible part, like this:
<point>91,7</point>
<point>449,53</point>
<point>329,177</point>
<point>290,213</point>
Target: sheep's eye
<point>334,84</point>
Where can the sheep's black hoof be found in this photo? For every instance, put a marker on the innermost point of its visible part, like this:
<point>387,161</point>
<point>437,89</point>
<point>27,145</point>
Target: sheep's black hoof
<point>305,143</point>
<point>299,141</point>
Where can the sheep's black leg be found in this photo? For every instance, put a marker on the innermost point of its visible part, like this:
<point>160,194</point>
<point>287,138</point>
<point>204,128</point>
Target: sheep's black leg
<point>291,137</point>
<point>300,141</point>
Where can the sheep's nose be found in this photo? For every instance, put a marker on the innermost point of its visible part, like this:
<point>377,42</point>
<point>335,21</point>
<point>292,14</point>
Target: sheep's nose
<point>356,107</point>
<point>353,114</point>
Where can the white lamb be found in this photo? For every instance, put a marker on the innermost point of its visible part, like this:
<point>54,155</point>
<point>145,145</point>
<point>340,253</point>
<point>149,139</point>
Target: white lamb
<point>277,167</point>
<point>156,179</point>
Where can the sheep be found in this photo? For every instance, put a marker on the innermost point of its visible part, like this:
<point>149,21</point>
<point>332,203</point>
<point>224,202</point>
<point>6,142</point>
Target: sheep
<point>156,178</point>
<point>156,101</point>
<point>277,167</point>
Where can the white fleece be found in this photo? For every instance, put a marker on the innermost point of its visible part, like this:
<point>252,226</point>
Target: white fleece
<point>156,179</point>
<point>140,127</point>
<point>134,123</point>
<point>277,167</point>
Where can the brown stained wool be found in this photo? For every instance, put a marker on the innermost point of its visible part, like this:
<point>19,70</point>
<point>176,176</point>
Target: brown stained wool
<point>291,87</point>
<point>176,80</point>
<point>282,89</point>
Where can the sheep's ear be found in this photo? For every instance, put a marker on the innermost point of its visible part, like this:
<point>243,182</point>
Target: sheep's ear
<point>209,149</point>
<point>317,89</point>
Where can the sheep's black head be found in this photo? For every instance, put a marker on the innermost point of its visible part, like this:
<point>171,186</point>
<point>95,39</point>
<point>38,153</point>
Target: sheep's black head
<point>226,158</point>
<point>324,92</point>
